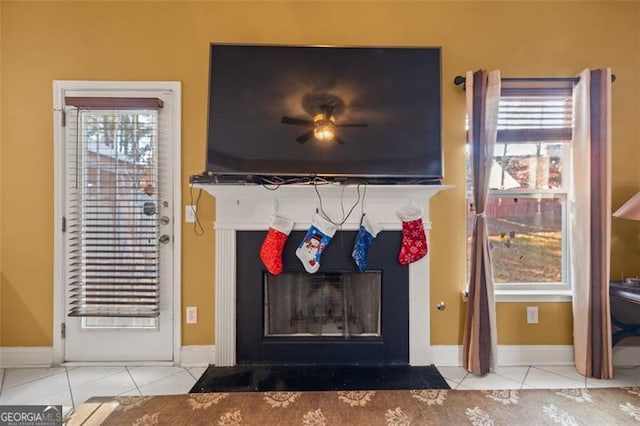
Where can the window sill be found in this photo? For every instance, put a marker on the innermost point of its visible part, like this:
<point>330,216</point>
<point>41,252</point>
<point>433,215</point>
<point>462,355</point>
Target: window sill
<point>529,295</point>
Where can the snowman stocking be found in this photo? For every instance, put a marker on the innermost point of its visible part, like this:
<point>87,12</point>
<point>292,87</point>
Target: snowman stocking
<point>271,250</point>
<point>366,234</point>
<point>314,242</point>
<point>414,240</point>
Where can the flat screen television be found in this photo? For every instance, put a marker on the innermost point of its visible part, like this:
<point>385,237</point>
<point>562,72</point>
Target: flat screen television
<point>270,104</point>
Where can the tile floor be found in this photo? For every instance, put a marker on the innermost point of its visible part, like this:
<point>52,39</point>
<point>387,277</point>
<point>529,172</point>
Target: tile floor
<point>536,377</point>
<point>70,386</point>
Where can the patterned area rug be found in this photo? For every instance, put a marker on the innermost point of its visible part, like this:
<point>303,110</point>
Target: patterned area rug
<point>606,406</point>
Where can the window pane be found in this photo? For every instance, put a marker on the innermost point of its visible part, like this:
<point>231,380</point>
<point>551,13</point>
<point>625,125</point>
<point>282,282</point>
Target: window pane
<point>528,184</point>
<point>527,166</point>
<point>118,322</point>
<point>115,220</point>
<point>525,237</point>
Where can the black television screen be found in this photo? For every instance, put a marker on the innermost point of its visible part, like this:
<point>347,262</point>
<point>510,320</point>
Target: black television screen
<point>379,108</point>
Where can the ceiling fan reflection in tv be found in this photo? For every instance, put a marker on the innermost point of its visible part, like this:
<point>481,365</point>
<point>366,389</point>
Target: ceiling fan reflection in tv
<point>324,108</point>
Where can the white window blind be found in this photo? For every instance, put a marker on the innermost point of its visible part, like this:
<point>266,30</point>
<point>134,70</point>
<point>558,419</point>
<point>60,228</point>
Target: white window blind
<point>535,114</point>
<point>112,203</point>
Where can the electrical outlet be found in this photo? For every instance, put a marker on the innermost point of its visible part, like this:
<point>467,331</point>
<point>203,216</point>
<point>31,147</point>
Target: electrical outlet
<point>192,314</point>
<point>532,314</point>
<point>190,214</point>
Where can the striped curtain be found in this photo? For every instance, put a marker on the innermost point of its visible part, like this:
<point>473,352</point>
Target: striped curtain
<point>590,224</point>
<point>480,339</point>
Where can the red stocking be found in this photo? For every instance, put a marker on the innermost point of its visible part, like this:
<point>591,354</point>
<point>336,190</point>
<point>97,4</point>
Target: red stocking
<point>271,250</point>
<point>414,241</point>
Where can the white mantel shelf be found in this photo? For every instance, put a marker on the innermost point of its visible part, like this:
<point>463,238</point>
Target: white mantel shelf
<point>250,207</point>
<point>293,191</point>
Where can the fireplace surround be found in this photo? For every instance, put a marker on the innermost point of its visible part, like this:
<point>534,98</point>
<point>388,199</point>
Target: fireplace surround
<point>249,208</point>
<point>337,315</point>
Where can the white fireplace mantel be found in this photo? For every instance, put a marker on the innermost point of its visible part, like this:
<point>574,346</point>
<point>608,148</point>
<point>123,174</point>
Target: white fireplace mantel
<point>250,207</point>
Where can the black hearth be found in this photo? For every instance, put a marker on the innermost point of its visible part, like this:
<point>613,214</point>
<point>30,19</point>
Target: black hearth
<point>335,316</point>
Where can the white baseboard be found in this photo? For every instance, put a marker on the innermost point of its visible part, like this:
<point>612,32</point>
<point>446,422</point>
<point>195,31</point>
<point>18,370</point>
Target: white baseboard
<point>197,355</point>
<point>626,356</point>
<point>509,355</point>
<point>30,356</point>
<point>447,355</point>
<point>443,355</point>
<point>24,357</point>
<point>522,355</point>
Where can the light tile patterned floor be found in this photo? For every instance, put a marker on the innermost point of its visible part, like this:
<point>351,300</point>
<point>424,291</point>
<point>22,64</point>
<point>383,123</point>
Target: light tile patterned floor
<point>71,386</point>
<point>536,377</point>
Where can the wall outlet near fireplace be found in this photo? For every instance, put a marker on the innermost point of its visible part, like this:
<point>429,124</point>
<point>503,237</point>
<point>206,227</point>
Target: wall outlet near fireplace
<point>189,214</point>
<point>532,314</point>
<point>192,314</point>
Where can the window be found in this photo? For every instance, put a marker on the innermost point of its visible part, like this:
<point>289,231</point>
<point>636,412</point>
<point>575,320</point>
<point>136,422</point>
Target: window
<point>113,193</point>
<point>529,183</point>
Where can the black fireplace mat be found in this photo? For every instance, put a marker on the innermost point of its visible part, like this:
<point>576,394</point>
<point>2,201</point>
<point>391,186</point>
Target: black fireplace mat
<point>263,378</point>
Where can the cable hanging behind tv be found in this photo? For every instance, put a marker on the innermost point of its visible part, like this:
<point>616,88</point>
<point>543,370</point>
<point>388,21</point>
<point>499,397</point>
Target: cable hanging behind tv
<point>342,114</point>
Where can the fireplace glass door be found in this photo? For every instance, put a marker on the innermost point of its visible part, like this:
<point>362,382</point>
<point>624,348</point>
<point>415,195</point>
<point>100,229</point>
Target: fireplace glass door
<point>330,304</point>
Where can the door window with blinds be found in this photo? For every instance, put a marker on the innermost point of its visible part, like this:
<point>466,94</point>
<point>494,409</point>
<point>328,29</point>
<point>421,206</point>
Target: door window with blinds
<point>529,182</point>
<point>112,211</point>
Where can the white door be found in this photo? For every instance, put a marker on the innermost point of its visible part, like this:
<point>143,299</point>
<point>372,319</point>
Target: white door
<point>119,204</point>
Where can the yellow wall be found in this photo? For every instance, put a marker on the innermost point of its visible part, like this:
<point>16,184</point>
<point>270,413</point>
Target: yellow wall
<point>42,42</point>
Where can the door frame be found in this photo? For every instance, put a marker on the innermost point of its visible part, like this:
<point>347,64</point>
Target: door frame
<point>59,308</point>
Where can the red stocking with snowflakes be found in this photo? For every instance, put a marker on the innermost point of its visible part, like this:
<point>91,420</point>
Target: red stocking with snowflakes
<point>414,240</point>
<point>271,250</point>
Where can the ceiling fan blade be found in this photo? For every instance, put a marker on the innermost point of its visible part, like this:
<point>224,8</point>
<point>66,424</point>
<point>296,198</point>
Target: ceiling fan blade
<point>340,141</point>
<point>296,121</point>
<point>305,137</point>
<point>352,125</point>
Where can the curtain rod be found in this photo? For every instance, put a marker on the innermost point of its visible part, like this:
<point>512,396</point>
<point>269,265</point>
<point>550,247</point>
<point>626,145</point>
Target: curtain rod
<point>459,80</point>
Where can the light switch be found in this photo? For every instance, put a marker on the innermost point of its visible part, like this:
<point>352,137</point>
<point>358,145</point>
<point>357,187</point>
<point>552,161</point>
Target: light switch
<point>192,314</point>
